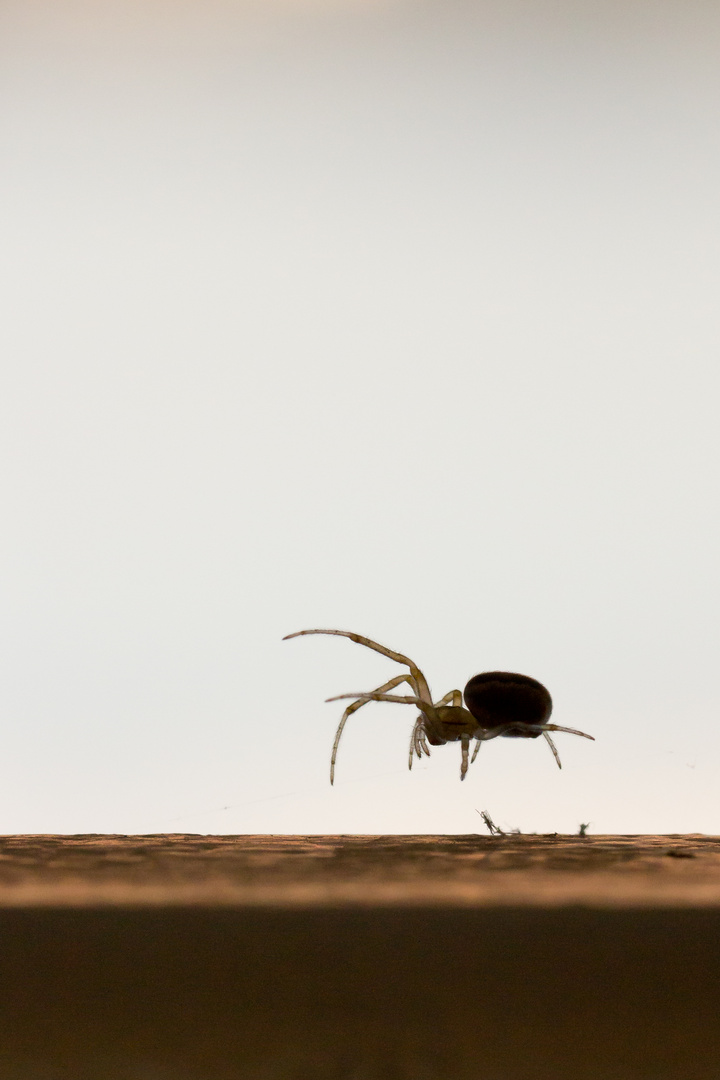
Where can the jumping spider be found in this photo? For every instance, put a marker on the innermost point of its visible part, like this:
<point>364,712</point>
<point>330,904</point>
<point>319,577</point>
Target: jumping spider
<point>496,703</point>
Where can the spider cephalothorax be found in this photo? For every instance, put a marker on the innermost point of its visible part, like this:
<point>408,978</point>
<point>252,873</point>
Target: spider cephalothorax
<point>496,703</point>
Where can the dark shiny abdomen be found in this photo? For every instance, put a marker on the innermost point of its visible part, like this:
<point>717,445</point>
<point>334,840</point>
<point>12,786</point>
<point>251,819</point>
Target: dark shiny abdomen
<point>502,697</point>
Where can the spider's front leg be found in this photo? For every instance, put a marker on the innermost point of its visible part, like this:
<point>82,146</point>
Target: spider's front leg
<point>415,679</point>
<point>418,742</point>
<point>418,739</point>
<point>389,685</point>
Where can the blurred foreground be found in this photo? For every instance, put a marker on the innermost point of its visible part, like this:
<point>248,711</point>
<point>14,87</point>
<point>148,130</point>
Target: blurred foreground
<point>359,958</point>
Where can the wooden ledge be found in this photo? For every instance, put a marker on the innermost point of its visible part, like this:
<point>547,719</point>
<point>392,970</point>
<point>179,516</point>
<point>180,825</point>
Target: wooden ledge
<point>339,871</point>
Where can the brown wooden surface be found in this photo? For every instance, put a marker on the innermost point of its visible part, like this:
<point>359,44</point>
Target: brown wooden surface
<point>360,958</point>
<point>360,870</point>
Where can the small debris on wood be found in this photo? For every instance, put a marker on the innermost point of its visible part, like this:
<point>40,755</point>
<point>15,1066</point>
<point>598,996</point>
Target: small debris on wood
<point>494,829</point>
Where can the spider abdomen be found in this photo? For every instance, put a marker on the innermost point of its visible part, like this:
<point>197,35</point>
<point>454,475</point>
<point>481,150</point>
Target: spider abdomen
<point>502,697</point>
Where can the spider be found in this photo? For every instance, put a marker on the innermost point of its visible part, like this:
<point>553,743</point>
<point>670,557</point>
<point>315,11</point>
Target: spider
<point>497,703</point>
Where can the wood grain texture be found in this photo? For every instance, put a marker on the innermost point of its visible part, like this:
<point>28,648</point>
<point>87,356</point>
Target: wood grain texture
<point>221,958</point>
<point>360,870</point>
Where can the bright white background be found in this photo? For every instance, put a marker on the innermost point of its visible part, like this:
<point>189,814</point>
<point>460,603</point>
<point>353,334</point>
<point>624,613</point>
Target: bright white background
<point>399,317</point>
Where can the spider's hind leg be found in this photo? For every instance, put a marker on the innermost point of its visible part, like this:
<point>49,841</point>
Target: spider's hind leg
<point>553,747</point>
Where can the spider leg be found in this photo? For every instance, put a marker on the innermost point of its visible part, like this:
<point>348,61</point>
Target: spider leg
<point>375,695</point>
<point>540,729</point>
<point>569,730</point>
<point>415,678</point>
<point>465,741</point>
<point>418,742</point>
<point>553,747</point>
<point>478,744</point>
<point>417,739</point>
<point>353,708</point>
<point>495,733</point>
<point>454,697</point>
<point>420,681</point>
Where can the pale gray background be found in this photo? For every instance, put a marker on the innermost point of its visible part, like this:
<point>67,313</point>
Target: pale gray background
<point>395,316</point>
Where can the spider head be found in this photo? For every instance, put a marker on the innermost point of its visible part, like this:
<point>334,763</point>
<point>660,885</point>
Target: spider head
<point>495,698</point>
